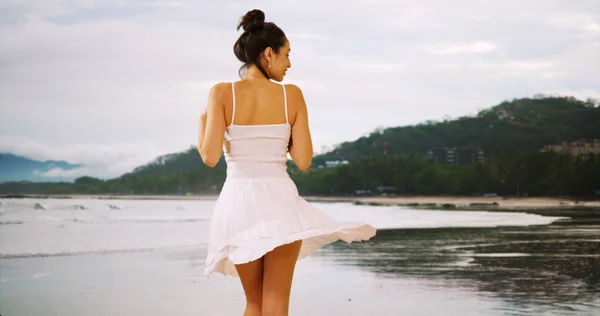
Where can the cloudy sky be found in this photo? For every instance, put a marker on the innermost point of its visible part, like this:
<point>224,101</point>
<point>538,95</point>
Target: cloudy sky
<point>113,84</point>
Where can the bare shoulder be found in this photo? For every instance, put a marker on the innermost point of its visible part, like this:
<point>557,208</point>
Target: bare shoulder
<point>220,89</point>
<point>295,94</point>
<point>293,89</point>
<point>217,96</point>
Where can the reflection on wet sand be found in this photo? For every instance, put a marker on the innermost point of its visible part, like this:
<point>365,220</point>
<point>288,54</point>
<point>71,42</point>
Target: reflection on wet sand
<point>554,265</point>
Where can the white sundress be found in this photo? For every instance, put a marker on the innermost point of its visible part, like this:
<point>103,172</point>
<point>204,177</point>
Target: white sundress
<point>259,207</point>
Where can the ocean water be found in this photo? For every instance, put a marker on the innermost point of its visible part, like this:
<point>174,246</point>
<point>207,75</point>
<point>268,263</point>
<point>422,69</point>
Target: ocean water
<point>56,227</point>
<point>134,257</point>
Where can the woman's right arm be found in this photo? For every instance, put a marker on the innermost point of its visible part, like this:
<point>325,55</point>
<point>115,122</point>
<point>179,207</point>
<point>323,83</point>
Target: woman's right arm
<point>301,149</point>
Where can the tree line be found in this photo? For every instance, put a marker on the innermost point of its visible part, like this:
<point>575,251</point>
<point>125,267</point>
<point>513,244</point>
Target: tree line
<point>510,134</point>
<point>507,173</point>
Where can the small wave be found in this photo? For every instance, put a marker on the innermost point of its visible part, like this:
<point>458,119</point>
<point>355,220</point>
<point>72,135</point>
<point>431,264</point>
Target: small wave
<point>83,220</point>
<point>467,262</point>
<point>40,206</point>
<point>115,207</point>
<point>501,254</point>
<point>79,207</point>
<point>93,252</point>
<point>35,276</point>
<point>45,218</point>
<point>11,221</point>
<point>40,275</point>
<point>156,219</point>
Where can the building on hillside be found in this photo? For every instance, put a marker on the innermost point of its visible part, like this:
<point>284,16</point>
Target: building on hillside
<point>467,156</point>
<point>504,115</point>
<point>440,155</point>
<point>386,190</point>
<point>455,155</point>
<point>581,147</point>
<point>333,163</point>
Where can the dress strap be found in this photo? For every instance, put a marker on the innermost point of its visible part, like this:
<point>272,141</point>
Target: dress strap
<point>233,108</point>
<point>285,103</point>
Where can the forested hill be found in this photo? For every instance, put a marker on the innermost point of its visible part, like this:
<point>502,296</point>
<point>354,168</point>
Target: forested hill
<point>511,135</point>
<point>521,124</point>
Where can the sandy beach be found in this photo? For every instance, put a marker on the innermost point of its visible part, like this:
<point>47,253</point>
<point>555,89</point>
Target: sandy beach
<point>466,201</point>
<point>142,256</point>
<point>427,201</point>
<point>92,256</point>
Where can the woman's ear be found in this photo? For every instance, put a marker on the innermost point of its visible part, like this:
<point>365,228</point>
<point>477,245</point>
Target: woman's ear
<point>268,53</point>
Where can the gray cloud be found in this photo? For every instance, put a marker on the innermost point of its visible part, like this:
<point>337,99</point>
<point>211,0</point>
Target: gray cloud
<point>129,80</point>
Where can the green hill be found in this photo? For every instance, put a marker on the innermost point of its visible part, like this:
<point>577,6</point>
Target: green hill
<point>520,124</point>
<point>511,135</point>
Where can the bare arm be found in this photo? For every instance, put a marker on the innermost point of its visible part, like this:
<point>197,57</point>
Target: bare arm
<point>301,148</point>
<point>211,128</point>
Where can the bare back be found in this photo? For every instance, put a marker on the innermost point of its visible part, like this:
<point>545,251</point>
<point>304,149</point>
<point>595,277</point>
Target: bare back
<point>259,103</point>
<point>256,103</point>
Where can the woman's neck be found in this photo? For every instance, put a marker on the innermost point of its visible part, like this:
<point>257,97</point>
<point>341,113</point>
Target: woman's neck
<point>254,73</point>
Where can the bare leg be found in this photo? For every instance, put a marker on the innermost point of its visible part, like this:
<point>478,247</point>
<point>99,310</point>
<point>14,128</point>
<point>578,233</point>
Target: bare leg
<point>278,272</point>
<point>251,275</point>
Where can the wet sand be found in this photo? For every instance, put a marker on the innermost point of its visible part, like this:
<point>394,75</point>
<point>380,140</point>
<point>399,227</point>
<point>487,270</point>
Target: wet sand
<point>170,284</point>
<point>462,201</point>
<point>494,271</point>
<point>429,201</point>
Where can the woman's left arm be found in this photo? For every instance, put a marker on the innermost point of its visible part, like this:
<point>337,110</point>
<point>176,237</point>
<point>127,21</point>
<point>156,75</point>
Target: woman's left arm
<point>212,126</point>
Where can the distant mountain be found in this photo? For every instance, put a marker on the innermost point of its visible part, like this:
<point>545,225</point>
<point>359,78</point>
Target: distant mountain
<point>18,168</point>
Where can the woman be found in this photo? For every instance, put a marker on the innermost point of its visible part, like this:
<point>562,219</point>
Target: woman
<point>260,225</point>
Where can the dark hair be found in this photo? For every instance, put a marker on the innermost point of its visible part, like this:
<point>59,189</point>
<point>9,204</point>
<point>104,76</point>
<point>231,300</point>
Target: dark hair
<point>257,36</point>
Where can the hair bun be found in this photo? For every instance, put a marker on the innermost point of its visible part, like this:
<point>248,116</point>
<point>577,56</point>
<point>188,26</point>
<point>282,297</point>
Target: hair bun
<point>252,21</point>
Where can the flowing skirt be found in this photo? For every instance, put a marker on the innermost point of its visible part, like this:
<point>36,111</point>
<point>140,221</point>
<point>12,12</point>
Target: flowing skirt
<point>254,215</point>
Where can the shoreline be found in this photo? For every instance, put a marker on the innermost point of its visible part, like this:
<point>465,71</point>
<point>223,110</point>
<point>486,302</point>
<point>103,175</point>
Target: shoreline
<point>445,202</point>
<point>465,202</point>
